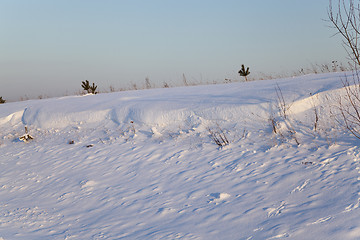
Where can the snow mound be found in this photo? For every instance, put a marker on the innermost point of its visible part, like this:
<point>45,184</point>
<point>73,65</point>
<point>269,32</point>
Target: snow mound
<point>161,107</point>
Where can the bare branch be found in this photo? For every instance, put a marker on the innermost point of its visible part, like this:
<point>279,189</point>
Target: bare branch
<point>345,18</point>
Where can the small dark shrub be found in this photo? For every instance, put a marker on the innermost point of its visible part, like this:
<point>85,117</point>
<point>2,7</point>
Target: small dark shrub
<point>244,72</point>
<point>89,88</point>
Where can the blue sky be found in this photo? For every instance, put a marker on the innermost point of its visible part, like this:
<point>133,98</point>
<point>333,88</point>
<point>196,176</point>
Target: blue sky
<point>48,47</point>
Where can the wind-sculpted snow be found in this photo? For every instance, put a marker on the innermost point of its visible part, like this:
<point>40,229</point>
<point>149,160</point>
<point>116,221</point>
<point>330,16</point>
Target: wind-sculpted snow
<point>163,106</point>
<point>141,165</point>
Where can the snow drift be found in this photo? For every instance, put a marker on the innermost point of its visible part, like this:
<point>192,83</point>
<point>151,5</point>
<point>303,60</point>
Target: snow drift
<point>141,165</point>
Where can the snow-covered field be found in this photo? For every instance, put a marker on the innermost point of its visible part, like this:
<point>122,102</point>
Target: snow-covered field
<point>142,165</point>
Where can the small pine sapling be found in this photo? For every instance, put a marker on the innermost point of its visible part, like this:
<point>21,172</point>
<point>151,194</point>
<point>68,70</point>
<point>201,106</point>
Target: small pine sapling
<point>244,72</point>
<point>93,89</point>
<point>89,88</point>
<point>86,85</point>
<point>2,100</point>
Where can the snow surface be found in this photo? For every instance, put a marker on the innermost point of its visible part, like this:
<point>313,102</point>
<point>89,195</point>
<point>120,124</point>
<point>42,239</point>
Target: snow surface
<point>142,165</point>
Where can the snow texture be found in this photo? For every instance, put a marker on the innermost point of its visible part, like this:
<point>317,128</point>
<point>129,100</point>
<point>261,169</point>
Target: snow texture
<point>142,165</point>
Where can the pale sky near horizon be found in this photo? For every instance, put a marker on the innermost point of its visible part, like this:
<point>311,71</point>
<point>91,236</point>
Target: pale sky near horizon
<point>48,47</point>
